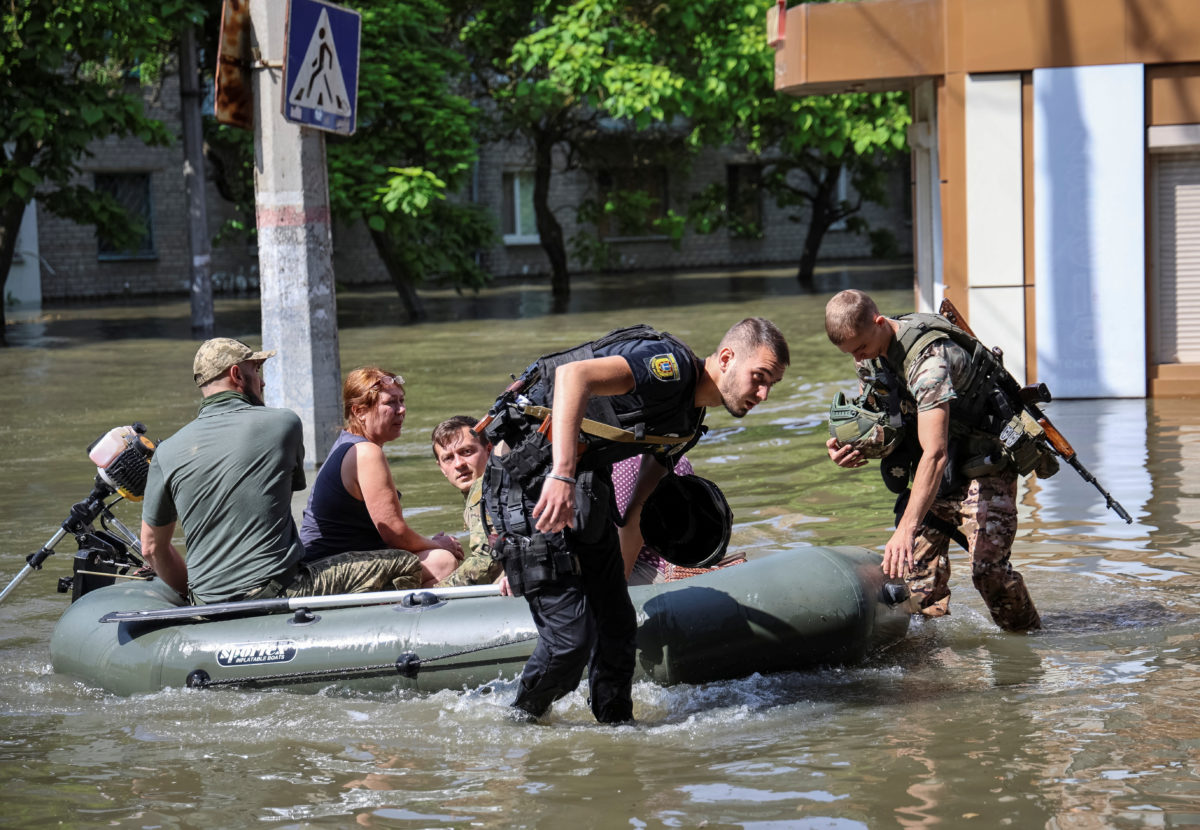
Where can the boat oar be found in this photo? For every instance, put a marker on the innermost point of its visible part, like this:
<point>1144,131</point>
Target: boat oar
<point>281,604</point>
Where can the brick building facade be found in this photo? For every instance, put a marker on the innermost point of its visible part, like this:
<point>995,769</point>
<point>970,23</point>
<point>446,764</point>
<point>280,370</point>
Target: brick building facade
<point>78,265</point>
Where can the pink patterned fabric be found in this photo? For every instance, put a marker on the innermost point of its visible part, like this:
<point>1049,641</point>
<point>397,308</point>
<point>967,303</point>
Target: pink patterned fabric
<point>624,476</point>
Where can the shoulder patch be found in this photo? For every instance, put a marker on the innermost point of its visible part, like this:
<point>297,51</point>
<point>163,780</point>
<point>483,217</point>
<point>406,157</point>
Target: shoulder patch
<point>664,367</point>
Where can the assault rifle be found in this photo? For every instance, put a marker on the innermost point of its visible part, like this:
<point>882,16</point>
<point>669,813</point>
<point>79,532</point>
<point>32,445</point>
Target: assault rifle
<point>1030,397</point>
<point>507,397</point>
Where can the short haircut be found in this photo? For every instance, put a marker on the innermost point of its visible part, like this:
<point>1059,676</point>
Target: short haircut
<point>449,429</point>
<point>754,332</point>
<point>848,314</point>
<point>362,389</point>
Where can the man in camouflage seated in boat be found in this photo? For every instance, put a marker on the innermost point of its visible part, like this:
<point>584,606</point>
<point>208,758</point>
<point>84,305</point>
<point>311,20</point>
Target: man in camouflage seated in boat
<point>462,455</point>
<point>228,477</point>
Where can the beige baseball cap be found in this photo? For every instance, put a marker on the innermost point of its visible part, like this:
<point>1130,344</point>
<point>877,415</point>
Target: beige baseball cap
<point>218,354</point>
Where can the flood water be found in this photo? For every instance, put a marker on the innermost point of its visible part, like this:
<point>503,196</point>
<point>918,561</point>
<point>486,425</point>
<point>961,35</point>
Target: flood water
<point>1090,723</point>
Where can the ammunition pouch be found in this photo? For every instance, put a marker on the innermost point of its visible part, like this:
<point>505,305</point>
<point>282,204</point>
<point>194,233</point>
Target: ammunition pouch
<point>978,466</point>
<point>528,461</point>
<point>1047,466</point>
<point>1020,445</point>
<point>534,562</point>
<point>1025,441</point>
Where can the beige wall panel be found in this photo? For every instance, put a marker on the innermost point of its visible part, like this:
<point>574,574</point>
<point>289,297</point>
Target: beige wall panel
<point>860,42</point>
<point>995,215</point>
<point>885,44</point>
<point>1011,35</point>
<point>1173,92</point>
<point>998,319</point>
<point>789,55</point>
<point>1162,31</point>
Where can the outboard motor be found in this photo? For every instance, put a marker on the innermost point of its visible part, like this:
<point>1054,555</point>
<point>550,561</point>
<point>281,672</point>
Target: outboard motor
<point>122,458</point>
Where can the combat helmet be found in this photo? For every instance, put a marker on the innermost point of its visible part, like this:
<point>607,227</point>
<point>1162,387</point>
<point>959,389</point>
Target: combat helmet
<point>863,427</point>
<point>687,521</point>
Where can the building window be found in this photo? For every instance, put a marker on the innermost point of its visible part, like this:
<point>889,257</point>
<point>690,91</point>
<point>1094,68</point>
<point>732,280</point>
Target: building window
<point>744,196</point>
<point>132,192</point>
<point>633,200</point>
<point>519,221</point>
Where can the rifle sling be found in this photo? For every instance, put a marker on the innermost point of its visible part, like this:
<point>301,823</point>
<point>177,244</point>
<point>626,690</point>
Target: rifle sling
<point>609,432</point>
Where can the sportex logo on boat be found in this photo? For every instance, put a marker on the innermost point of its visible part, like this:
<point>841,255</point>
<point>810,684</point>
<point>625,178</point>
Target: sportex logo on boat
<point>256,654</point>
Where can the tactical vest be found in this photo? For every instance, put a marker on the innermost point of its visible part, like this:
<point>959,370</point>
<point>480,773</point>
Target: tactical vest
<point>990,431</point>
<point>607,435</point>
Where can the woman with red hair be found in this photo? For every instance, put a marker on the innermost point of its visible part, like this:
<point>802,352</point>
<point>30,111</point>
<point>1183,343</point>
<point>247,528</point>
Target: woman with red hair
<point>354,504</point>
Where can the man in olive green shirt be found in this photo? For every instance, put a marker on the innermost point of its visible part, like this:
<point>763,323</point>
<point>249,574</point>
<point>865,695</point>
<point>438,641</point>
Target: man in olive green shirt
<point>461,455</point>
<point>228,477</point>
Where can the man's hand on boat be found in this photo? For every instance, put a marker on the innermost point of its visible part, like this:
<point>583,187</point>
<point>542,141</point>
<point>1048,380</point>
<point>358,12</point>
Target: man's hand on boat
<point>898,553</point>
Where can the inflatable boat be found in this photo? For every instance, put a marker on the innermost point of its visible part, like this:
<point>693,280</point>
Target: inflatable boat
<point>790,610</point>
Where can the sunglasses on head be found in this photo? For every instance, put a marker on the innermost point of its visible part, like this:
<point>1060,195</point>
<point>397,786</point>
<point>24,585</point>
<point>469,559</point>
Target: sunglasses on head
<point>388,381</point>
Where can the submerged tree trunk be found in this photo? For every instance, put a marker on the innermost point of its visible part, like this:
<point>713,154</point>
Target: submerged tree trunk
<point>549,230</point>
<point>825,212</point>
<point>11,214</point>
<point>401,276</point>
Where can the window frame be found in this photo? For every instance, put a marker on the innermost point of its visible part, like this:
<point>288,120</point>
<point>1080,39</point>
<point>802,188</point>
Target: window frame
<point>147,249</point>
<point>618,179</point>
<point>510,186</point>
<point>739,178</point>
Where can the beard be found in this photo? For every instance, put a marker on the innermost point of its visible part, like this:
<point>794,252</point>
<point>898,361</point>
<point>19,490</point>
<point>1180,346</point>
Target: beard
<point>740,412</point>
<point>734,405</point>
<point>255,398</point>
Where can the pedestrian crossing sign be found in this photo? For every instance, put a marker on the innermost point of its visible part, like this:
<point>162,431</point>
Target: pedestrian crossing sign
<point>320,80</point>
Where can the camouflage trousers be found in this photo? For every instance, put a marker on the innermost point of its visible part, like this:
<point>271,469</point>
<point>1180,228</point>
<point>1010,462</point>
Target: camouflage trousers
<point>986,512</point>
<point>356,572</point>
<point>476,569</point>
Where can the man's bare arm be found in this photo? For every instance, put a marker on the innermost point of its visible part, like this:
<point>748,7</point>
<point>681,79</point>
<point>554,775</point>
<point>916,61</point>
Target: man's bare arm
<point>162,556</point>
<point>574,384</point>
<point>933,431</point>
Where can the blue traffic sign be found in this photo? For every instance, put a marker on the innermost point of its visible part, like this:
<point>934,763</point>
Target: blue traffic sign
<point>320,77</point>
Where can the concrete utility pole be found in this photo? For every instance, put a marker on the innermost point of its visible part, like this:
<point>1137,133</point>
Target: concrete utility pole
<point>295,248</point>
<point>193,179</point>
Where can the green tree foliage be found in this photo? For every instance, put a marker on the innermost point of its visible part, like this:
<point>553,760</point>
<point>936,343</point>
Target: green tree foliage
<point>570,80</point>
<point>802,144</point>
<point>703,70</point>
<point>414,148</point>
<point>72,72</point>
<point>412,152</point>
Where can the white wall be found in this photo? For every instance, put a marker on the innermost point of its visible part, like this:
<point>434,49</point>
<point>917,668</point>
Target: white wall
<point>927,206</point>
<point>24,285</point>
<point>995,215</point>
<point>1089,243</point>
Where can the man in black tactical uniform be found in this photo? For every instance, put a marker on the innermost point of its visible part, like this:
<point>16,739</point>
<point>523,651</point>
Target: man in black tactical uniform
<point>548,487</point>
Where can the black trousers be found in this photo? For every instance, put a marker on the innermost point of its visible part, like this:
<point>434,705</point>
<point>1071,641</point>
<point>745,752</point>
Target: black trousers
<point>584,619</point>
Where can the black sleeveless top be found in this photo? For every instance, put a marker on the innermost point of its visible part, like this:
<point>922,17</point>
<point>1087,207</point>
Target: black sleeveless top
<point>334,521</point>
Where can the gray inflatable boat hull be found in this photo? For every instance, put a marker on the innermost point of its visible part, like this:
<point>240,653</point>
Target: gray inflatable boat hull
<point>790,610</point>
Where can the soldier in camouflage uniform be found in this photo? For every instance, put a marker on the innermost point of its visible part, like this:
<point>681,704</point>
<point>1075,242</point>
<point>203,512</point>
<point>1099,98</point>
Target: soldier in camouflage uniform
<point>461,455</point>
<point>981,502</point>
